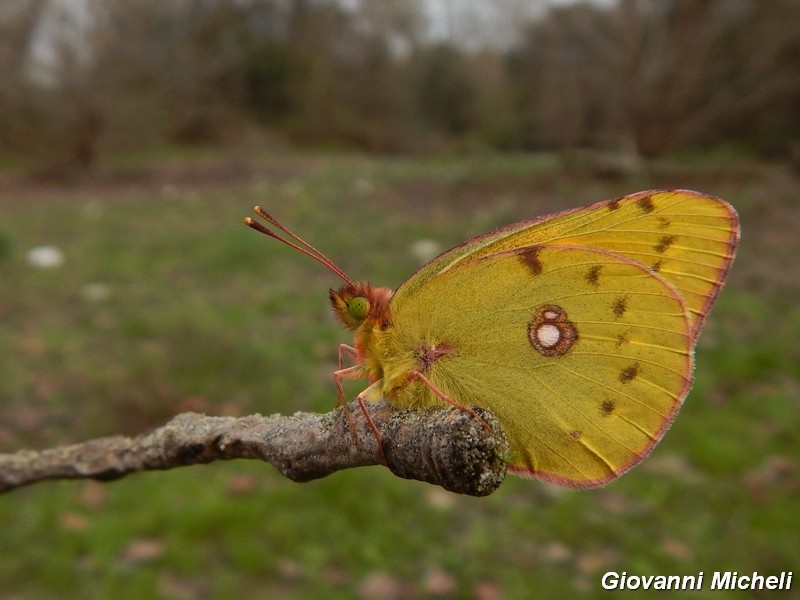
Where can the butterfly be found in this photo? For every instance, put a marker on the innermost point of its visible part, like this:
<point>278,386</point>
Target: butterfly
<point>576,329</point>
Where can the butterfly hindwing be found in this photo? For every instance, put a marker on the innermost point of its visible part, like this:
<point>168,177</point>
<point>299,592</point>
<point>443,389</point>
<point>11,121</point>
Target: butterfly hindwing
<point>583,355</point>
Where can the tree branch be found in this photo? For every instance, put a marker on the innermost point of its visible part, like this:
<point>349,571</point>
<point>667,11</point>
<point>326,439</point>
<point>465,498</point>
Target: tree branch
<point>444,446</point>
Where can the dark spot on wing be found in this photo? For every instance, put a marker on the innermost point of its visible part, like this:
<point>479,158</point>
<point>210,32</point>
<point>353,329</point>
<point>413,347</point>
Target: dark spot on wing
<point>664,243</point>
<point>593,275</point>
<point>628,374</point>
<point>620,306</point>
<point>607,408</point>
<point>646,204</point>
<point>551,332</point>
<point>530,258</point>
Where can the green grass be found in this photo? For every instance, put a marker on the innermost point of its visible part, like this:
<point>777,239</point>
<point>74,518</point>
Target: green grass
<point>166,303</point>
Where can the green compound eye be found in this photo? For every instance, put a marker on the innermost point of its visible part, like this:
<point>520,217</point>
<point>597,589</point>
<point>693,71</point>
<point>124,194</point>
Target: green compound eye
<point>358,307</point>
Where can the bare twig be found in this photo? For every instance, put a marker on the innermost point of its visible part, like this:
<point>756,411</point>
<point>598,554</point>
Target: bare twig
<point>444,446</point>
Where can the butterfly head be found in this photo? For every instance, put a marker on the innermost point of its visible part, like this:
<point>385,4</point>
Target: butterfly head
<point>353,304</point>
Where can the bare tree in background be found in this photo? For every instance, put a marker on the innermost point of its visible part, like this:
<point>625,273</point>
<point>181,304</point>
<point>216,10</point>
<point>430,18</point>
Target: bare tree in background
<point>18,23</point>
<point>348,74</point>
<point>644,76</point>
<point>662,74</point>
<point>169,71</point>
<point>709,69</point>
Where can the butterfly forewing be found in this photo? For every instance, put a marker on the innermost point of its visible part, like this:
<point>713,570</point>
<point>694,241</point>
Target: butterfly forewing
<point>688,238</point>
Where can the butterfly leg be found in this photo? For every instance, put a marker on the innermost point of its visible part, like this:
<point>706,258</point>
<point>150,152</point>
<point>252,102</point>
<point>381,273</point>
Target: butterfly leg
<point>353,372</point>
<point>344,349</point>
<point>370,422</point>
<point>449,400</point>
<point>356,372</point>
<point>346,372</point>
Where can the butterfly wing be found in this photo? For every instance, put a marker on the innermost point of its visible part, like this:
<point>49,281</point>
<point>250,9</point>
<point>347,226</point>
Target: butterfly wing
<point>687,237</point>
<point>583,355</point>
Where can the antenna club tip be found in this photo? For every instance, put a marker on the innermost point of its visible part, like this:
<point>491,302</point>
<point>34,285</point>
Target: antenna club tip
<point>298,244</point>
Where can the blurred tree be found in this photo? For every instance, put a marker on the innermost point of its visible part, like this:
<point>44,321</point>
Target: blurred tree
<point>171,71</point>
<point>642,76</point>
<point>349,81</point>
<point>19,116</point>
<point>445,90</point>
<point>705,70</point>
<point>661,74</point>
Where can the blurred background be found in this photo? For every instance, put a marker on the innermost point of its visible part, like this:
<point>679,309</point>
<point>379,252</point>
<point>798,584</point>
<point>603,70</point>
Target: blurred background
<point>135,135</point>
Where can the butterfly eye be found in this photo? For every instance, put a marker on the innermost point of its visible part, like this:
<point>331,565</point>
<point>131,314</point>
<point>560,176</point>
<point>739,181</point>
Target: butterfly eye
<point>358,308</point>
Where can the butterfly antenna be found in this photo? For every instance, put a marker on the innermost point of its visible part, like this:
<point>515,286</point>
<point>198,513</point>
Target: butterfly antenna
<point>299,243</point>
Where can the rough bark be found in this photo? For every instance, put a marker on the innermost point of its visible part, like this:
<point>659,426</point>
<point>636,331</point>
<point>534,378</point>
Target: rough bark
<point>444,446</point>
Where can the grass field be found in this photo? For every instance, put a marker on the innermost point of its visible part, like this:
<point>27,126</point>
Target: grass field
<point>165,303</point>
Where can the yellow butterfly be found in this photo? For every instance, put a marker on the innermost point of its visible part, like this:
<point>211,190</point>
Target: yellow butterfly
<point>577,329</point>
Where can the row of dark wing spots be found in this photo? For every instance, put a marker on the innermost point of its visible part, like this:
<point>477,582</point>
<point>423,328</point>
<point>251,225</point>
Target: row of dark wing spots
<point>530,258</point>
<point>620,305</point>
<point>618,308</point>
<point>645,204</point>
<point>661,247</point>
<point>607,408</point>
